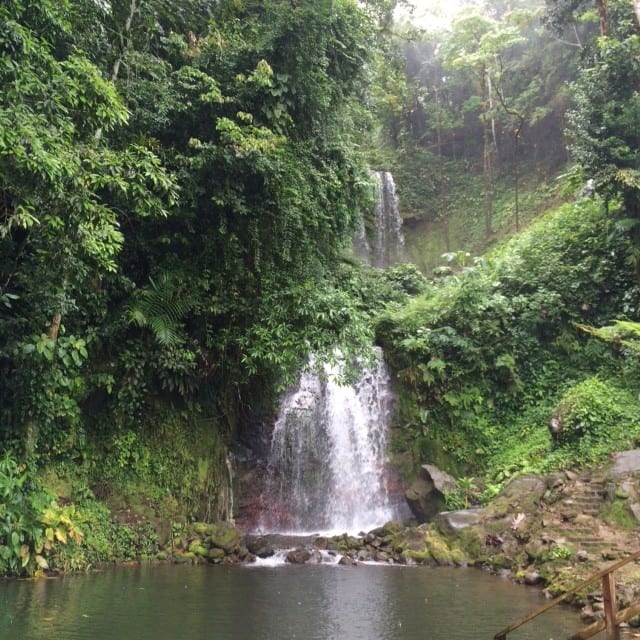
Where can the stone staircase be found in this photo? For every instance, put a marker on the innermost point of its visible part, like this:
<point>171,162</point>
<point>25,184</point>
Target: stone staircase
<point>579,524</point>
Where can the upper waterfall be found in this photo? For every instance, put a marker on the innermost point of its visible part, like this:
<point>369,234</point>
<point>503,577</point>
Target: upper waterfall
<point>378,239</point>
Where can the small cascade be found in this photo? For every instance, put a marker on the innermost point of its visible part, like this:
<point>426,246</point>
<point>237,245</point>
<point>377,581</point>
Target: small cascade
<point>326,470</point>
<point>378,240</point>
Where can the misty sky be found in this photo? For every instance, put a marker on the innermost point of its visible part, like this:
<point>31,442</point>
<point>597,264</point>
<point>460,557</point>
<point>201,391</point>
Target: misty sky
<point>428,11</point>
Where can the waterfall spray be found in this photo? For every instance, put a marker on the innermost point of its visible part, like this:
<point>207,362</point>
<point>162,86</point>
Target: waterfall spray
<point>326,469</point>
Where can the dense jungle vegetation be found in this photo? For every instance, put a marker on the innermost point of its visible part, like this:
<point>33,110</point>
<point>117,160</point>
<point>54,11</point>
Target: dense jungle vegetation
<point>180,181</point>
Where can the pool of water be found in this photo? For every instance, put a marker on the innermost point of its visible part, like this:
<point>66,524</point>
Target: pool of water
<point>275,603</point>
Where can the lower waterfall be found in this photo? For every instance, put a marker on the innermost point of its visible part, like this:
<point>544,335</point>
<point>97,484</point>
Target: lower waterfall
<point>326,469</point>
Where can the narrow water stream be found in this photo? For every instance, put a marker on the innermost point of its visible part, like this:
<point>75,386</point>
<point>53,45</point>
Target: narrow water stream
<point>285,603</point>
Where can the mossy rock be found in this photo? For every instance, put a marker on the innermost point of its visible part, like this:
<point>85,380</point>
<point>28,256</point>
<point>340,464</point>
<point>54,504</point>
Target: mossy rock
<point>421,557</point>
<point>198,548</point>
<point>458,557</point>
<point>561,581</point>
<point>184,558</point>
<point>390,528</point>
<point>438,548</point>
<point>500,561</point>
<point>224,535</point>
<point>523,493</point>
<point>412,539</point>
<point>471,544</point>
<point>215,555</point>
<point>348,543</point>
<point>201,529</point>
<point>619,514</point>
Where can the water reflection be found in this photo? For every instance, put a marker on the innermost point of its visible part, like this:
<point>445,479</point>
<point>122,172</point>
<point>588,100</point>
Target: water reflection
<point>286,603</point>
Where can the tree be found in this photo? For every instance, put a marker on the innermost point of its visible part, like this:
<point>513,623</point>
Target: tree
<point>63,197</point>
<point>476,44</point>
<point>604,123</point>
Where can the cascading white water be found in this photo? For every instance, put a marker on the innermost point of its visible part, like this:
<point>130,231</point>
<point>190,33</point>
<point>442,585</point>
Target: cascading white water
<point>326,471</point>
<point>381,244</point>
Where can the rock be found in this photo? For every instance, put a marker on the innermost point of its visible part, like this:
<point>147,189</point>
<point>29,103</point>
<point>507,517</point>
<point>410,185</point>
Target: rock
<point>626,463</point>
<point>197,548</point>
<point>388,529</point>
<point>635,510</point>
<point>259,546</point>
<point>582,555</point>
<point>215,555</point>
<point>522,494</point>
<point>412,539</point>
<point>451,522</point>
<point>426,496</point>
<point>532,578</point>
<point>224,535</point>
<point>298,556</point>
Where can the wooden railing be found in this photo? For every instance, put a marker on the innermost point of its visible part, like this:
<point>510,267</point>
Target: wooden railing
<point>612,618</point>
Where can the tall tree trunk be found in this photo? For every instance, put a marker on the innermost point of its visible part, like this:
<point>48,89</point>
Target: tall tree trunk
<point>123,46</point>
<point>488,178</point>
<point>487,155</point>
<point>491,105</point>
<point>603,16</point>
<point>636,7</point>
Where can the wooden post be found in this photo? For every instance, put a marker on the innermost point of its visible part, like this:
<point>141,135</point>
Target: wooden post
<point>609,597</point>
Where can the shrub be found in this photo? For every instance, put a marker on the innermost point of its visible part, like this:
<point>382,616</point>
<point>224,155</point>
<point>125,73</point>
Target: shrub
<point>592,409</point>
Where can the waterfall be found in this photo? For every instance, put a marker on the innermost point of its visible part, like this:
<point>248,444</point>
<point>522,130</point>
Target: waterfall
<point>379,240</point>
<point>326,469</point>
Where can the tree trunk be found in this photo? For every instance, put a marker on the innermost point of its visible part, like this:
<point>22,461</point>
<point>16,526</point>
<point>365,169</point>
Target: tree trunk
<point>124,43</point>
<point>54,327</point>
<point>603,16</point>
<point>488,179</point>
<point>636,7</point>
<point>487,159</point>
<point>491,105</point>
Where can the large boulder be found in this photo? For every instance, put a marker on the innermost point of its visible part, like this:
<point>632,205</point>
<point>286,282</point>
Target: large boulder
<point>426,496</point>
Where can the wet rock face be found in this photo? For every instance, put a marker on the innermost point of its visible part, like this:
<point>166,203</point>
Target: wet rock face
<point>259,546</point>
<point>426,496</point>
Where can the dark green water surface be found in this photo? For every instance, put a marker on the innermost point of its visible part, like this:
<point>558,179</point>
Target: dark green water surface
<point>274,603</point>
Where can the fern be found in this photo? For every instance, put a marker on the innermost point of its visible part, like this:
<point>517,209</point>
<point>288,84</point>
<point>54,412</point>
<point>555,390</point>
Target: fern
<point>161,307</point>
<point>623,332</point>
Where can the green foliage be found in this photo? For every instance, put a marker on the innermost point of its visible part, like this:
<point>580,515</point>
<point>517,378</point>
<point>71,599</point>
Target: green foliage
<point>464,495</point>
<point>560,552</point>
<point>591,410</point>
<point>495,340</point>
<point>135,471</point>
<point>33,527</point>
<point>618,514</point>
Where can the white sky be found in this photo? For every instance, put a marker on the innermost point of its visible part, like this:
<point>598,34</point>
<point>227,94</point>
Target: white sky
<point>434,13</point>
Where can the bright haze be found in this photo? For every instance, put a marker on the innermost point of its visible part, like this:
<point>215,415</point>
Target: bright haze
<point>432,13</point>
